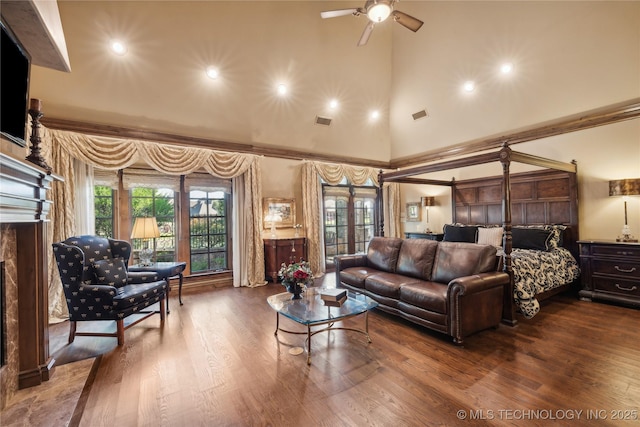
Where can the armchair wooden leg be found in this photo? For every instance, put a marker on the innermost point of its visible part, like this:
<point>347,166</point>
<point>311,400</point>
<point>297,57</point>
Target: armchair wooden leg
<point>162,309</point>
<point>72,330</point>
<point>120,331</point>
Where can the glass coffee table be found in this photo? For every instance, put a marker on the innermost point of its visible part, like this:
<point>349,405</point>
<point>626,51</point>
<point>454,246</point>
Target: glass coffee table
<point>311,311</point>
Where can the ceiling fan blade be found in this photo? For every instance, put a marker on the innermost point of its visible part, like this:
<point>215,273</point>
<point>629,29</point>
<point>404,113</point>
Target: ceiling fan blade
<point>364,38</point>
<point>338,12</point>
<point>407,21</point>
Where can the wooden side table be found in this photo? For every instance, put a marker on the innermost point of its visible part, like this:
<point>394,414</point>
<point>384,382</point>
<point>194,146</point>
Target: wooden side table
<point>430,236</point>
<point>278,251</point>
<point>165,270</point>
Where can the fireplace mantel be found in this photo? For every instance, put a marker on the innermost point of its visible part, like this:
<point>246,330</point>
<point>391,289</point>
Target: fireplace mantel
<point>24,206</point>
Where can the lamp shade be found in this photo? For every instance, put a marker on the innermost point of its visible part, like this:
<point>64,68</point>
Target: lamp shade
<point>624,187</point>
<point>428,201</point>
<point>145,228</point>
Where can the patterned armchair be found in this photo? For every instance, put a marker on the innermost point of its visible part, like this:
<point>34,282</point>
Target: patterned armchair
<point>98,286</point>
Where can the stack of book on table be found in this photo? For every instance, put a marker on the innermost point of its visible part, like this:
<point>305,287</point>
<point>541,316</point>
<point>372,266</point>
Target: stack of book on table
<point>333,297</point>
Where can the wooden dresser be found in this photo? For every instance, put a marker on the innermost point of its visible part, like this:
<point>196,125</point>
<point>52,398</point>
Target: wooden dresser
<point>277,251</point>
<point>610,271</point>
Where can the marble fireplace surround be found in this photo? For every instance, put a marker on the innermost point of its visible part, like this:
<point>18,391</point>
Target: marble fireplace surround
<point>23,227</point>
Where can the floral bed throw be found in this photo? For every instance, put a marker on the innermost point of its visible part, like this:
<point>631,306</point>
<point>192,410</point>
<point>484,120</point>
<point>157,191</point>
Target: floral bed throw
<point>537,271</point>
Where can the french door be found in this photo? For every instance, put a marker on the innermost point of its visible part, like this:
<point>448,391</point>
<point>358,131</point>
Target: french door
<point>349,219</point>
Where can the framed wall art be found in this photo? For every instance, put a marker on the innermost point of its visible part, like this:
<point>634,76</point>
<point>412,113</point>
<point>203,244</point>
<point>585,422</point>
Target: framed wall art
<point>414,213</point>
<point>280,212</point>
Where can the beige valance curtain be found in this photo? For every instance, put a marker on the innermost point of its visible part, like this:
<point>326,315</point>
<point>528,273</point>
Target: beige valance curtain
<point>333,174</point>
<point>61,147</point>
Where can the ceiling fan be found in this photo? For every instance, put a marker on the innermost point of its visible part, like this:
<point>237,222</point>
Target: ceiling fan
<point>377,11</point>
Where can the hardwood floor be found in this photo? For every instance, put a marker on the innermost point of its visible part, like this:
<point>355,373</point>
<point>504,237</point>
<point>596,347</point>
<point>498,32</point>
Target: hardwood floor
<point>216,362</point>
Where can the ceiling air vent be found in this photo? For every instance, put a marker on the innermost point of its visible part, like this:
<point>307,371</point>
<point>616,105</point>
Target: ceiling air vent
<point>323,121</point>
<point>419,114</point>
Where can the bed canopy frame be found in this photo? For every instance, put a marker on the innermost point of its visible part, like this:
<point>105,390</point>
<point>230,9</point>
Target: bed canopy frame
<point>505,156</point>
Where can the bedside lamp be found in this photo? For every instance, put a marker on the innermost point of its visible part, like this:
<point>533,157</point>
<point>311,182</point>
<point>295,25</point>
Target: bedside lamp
<point>625,188</point>
<point>426,202</point>
<point>145,229</point>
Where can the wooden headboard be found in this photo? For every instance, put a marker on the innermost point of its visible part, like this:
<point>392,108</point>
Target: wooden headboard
<point>542,197</point>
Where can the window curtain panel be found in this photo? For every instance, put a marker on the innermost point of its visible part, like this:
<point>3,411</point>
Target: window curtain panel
<point>84,209</point>
<point>60,147</point>
<point>312,202</point>
<point>392,209</point>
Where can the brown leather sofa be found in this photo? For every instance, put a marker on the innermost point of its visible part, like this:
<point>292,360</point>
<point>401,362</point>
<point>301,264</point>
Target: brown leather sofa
<point>449,287</point>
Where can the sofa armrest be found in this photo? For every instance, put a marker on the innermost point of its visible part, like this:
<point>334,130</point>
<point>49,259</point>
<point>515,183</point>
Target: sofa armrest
<point>477,283</point>
<point>347,261</point>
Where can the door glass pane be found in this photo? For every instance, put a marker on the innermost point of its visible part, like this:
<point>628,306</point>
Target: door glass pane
<point>349,221</point>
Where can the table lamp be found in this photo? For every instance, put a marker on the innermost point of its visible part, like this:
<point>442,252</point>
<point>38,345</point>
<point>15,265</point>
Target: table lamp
<point>625,188</point>
<point>145,229</point>
<point>273,217</point>
<point>426,202</point>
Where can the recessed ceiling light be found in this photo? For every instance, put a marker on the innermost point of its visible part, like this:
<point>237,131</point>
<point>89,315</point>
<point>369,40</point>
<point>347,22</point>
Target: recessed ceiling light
<point>506,68</point>
<point>375,114</point>
<point>333,104</point>
<point>282,89</point>
<point>212,72</point>
<point>118,47</point>
<point>469,86</point>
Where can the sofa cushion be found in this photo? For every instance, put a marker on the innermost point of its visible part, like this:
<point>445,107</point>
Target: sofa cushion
<point>355,276</point>
<point>387,284</point>
<point>382,253</point>
<point>457,259</point>
<point>460,233</point>
<point>132,295</point>
<point>416,258</point>
<point>428,295</point>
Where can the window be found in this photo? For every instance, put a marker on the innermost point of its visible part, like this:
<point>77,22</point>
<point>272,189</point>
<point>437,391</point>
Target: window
<point>208,230</point>
<point>204,220</point>
<point>103,206</point>
<point>349,219</point>
<point>159,203</point>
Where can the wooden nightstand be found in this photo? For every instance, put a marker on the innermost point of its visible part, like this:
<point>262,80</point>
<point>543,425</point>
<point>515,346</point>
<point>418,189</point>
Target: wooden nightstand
<point>430,236</point>
<point>610,271</point>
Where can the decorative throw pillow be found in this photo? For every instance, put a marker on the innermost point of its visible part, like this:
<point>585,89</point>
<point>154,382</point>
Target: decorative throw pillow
<point>532,238</point>
<point>453,233</point>
<point>112,272</point>
<point>490,236</point>
<point>557,233</point>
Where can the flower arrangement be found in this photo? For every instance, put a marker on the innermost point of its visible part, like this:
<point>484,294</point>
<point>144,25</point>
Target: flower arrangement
<point>298,273</point>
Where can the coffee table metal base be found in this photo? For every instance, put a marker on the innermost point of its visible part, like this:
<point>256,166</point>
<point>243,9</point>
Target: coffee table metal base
<point>330,327</point>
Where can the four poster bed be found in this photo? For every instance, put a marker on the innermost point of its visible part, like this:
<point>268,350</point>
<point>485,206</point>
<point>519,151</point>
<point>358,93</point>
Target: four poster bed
<point>543,203</point>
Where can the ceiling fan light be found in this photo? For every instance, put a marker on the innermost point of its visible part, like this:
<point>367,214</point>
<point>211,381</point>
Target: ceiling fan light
<point>379,12</point>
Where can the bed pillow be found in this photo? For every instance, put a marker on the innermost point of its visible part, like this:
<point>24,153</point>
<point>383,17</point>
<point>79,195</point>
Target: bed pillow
<point>532,238</point>
<point>455,233</point>
<point>557,233</point>
<point>490,236</point>
<point>112,272</point>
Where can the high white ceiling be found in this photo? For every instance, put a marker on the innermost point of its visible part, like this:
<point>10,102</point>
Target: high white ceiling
<point>569,57</point>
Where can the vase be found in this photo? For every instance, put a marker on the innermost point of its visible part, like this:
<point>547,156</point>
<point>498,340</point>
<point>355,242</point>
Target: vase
<point>295,289</point>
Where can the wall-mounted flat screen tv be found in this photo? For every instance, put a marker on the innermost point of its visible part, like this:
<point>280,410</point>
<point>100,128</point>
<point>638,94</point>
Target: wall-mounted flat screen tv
<point>14,87</point>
